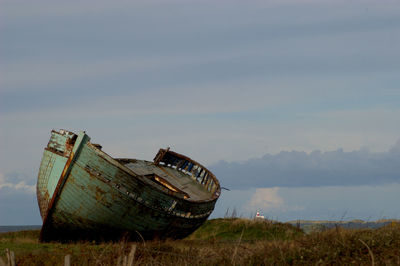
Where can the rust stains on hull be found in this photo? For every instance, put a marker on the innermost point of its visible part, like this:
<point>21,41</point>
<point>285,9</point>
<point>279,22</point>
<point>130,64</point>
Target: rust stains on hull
<point>95,196</point>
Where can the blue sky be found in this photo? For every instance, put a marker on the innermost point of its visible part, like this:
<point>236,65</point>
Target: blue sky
<point>230,84</point>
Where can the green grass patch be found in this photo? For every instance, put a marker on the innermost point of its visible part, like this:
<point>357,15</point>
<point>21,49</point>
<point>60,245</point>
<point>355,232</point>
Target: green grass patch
<point>245,229</point>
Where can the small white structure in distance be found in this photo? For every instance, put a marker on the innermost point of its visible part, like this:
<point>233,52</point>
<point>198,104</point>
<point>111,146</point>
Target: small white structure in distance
<point>259,216</point>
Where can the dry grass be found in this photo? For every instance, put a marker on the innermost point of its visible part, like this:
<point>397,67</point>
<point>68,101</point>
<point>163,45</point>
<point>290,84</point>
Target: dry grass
<point>336,246</point>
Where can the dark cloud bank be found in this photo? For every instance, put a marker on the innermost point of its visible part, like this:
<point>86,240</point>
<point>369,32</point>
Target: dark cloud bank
<point>301,169</point>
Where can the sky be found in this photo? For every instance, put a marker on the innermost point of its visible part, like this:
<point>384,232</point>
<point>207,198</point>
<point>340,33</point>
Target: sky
<point>294,105</point>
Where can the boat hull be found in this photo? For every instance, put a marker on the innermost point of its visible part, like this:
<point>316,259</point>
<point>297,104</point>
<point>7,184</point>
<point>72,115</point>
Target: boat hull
<point>85,194</point>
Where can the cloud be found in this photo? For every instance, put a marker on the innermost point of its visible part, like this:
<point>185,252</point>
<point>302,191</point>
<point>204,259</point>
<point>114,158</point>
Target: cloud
<point>18,204</point>
<point>7,184</point>
<point>301,169</point>
<point>269,200</point>
<point>266,199</point>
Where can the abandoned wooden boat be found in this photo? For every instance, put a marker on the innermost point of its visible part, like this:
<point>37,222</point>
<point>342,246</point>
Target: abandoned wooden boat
<point>83,193</point>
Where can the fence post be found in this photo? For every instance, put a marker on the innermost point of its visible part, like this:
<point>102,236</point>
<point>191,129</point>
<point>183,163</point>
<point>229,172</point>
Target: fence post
<point>10,257</point>
<point>67,260</point>
<point>131,256</point>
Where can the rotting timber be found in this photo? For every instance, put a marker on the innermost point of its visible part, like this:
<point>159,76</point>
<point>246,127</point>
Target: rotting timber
<point>85,194</point>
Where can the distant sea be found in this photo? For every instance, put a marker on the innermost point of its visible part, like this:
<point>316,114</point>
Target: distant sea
<point>13,228</point>
<point>312,226</point>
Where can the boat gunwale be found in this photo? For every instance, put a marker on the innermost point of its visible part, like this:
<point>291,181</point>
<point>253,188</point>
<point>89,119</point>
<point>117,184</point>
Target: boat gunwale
<point>116,163</point>
<point>217,192</point>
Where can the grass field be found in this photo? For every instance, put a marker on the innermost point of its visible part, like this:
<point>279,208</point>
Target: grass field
<point>232,241</point>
